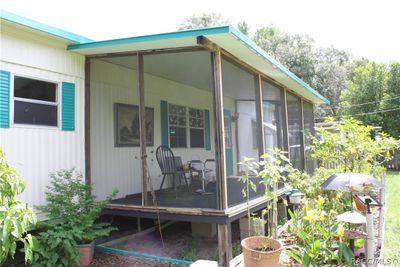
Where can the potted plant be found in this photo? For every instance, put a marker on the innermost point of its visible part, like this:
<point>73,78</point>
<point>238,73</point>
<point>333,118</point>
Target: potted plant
<point>68,235</point>
<point>265,250</point>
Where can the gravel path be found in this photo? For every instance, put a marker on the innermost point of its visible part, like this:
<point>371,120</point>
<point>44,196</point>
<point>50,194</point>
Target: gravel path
<point>106,259</point>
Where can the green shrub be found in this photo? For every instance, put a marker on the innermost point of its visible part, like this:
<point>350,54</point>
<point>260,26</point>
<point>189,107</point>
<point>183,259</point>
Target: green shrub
<point>15,216</point>
<point>72,212</point>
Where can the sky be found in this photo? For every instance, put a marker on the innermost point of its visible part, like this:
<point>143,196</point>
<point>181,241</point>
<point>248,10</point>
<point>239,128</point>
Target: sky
<point>365,28</point>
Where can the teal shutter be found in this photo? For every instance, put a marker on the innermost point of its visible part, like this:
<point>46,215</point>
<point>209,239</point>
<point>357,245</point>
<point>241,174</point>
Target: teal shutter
<point>164,123</point>
<point>4,99</point>
<point>207,136</point>
<point>68,106</point>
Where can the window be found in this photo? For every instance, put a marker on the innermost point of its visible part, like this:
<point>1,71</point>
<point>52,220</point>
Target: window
<point>196,125</point>
<point>35,102</point>
<point>177,125</point>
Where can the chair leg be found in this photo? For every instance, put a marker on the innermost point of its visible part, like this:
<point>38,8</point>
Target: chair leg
<point>162,182</point>
<point>186,181</point>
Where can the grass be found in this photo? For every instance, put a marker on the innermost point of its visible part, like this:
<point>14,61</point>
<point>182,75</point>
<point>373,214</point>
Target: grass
<point>392,227</point>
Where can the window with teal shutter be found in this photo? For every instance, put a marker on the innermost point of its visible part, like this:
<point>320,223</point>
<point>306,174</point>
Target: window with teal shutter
<point>68,106</point>
<point>4,99</point>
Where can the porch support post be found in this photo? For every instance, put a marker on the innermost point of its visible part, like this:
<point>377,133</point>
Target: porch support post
<point>142,126</point>
<point>223,229</point>
<point>88,178</point>
<point>259,114</point>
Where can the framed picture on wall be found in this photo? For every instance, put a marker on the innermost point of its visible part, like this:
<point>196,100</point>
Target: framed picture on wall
<point>126,125</point>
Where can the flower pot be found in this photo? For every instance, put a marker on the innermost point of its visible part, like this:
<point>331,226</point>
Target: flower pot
<point>87,251</point>
<point>256,258</point>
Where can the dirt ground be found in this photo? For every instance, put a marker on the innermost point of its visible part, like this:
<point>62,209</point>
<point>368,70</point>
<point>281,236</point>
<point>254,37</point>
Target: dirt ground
<point>178,244</point>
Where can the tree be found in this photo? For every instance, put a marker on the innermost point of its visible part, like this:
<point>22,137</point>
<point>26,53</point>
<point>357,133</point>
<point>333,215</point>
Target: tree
<point>295,52</point>
<point>330,78</point>
<point>244,28</point>
<point>202,21</point>
<point>390,103</point>
<point>365,92</point>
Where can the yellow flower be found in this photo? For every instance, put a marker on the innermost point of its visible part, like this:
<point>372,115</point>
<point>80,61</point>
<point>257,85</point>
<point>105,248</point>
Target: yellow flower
<point>340,230</point>
<point>321,201</point>
<point>322,216</point>
<point>304,201</point>
<point>311,216</point>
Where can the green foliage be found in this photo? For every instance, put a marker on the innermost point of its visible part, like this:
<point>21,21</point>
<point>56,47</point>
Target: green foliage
<point>272,169</point>
<point>318,233</point>
<point>202,21</point>
<point>189,253</point>
<point>15,217</point>
<point>373,96</point>
<point>349,146</point>
<point>72,211</point>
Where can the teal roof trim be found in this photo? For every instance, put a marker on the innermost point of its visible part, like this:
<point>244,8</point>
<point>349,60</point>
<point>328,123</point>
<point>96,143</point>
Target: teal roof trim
<point>250,44</point>
<point>153,37</point>
<point>43,27</point>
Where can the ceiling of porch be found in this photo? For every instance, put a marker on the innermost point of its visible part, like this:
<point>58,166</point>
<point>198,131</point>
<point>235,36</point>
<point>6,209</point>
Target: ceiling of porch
<point>192,69</point>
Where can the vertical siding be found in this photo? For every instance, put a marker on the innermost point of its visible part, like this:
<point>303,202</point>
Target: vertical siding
<point>36,151</point>
<point>119,167</point>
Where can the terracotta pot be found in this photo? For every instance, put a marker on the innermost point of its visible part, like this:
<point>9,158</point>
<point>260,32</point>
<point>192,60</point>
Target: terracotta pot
<point>87,251</point>
<point>256,258</point>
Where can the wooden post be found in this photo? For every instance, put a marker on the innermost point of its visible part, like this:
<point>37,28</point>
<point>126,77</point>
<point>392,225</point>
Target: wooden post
<point>142,126</point>
<point>88,178</point>
<point>225,243</point>
<point>223,229</point>
<point>259,114</point>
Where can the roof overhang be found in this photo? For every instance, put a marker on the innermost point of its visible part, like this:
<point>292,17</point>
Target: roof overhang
<point>226,37</point>
<point>41,28</point>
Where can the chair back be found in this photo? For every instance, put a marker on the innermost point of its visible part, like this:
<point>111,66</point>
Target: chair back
<point>166,159</point>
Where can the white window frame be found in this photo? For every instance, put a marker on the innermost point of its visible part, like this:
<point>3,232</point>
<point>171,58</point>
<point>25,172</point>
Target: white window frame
<point>202,128</point>
<point>13,99</point>
<point>187,127</point>
<point>173,125</point>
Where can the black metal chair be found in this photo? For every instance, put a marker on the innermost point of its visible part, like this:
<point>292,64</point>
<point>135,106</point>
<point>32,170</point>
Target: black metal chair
<point>169,165</point>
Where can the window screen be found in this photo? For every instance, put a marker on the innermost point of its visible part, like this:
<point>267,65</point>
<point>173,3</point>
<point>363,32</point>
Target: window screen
<point>295,135</point>
<point>177,122</point>
<point>196,124</point>
<point>35,102</point>
<point>35,89</point>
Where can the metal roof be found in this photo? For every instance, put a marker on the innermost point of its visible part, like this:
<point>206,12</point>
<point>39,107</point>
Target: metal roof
<point>25,22</point>
<point>226,37</point>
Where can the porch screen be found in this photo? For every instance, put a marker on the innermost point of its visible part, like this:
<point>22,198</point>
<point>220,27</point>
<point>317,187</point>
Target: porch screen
<point>308,116</point>
<point>296,154</point>
<point>272,116</point>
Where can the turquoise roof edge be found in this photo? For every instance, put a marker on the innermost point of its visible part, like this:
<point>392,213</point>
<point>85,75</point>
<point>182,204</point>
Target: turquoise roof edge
<point>203,31</point>
<point>153,37</point>
<point>42,27</point>
<point>274,62</point>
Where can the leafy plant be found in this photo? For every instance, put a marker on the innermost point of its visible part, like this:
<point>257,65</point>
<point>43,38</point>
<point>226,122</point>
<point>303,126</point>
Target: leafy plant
<point>317,234</point>
<point>72,212</point>
<point>15,217</point>
<point>189,253</point>
<point>272,169</point>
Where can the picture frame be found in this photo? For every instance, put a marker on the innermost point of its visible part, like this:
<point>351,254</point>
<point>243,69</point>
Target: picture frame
<point>126,125</point>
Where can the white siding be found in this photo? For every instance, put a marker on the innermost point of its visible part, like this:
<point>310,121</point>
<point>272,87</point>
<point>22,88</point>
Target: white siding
<point>119,167</point>
<point>37,151</point>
